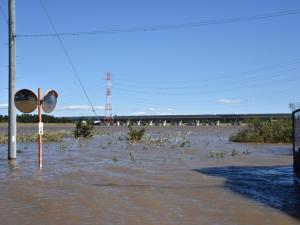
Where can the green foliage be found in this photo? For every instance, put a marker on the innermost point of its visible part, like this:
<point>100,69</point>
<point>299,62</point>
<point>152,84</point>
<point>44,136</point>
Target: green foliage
<point>83,130</point>
<point>33,118</point>
<point>135,134</point>
<point>265,131</point>
<point>3,118</point>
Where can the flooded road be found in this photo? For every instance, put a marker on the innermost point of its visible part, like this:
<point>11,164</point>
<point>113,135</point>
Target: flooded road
<point>178,175</point>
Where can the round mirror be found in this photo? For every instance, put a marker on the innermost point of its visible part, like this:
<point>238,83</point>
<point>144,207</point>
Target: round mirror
<point>49,101</point>
<point>26,101</point>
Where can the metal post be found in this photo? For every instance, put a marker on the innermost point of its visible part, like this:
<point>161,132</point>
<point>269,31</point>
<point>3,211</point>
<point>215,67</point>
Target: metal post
<point>296,144</point>
<point>40,135</point>
<point>12,130</point>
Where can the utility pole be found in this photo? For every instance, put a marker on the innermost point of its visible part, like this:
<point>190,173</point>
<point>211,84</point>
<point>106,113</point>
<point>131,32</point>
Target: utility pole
<point>12,130</point>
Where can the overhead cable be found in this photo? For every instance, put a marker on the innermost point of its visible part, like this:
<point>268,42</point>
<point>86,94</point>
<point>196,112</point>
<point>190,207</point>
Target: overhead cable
<point>170,26</point>
<point>68,57</point>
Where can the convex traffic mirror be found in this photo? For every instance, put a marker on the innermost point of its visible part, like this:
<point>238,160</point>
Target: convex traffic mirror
<point>49,101</point>
<point>26,101</point>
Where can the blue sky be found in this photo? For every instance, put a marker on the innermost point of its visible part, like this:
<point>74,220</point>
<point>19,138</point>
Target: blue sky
<point>243,67</point>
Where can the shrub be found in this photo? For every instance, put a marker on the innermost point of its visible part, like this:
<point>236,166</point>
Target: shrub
<point>83,129</point>
<point>135,134</point>
<point>266,131</point>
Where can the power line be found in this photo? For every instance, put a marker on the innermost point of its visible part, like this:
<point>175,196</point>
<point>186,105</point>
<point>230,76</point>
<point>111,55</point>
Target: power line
<point>207,82</point>
<point>170,26</point>
<point>242,74</point>
<point>67,56</point>
<point>228,89</point>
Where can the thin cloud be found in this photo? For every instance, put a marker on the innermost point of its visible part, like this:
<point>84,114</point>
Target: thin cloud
<point>159,109</point>
<point>3,106</point>
<point>82,107</point>
<point>228,101</point>
<point>138,113</point>
<point>163,113</point>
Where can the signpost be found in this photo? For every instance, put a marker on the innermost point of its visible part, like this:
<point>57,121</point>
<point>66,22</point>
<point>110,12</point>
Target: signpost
<point>296,144</point>
<point>26,101</point>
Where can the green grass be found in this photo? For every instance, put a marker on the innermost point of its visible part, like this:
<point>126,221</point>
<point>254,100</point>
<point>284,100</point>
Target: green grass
<point>265,131</point>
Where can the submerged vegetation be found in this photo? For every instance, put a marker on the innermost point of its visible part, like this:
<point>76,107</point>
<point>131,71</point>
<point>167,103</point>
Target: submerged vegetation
<point>265,131</point>
<point>47,137</point>
<point>135,134</point>
<point>83,130</point>
<point>222,154</point>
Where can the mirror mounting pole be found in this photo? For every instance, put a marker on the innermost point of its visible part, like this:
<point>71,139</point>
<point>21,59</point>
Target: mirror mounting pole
<point>40,135</point>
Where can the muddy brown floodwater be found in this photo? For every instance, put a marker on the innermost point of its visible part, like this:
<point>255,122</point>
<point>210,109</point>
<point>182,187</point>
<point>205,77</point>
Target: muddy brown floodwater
<point>179,175</point>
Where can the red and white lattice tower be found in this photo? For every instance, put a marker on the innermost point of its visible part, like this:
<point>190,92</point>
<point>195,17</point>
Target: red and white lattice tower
<point>108,106</point>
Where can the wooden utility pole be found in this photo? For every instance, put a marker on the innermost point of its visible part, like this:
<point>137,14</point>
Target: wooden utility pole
<point>12,129</point>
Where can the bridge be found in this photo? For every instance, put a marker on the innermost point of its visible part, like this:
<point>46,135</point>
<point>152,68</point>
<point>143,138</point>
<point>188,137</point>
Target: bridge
<point>204,118</point>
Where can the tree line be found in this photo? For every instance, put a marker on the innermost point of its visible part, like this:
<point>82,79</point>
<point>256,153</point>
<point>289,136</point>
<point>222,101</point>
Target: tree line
<point>33,118</point>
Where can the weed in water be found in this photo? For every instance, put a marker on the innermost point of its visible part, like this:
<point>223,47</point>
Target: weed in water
<point>217,155</point>
<point>211,155</point>
<point>146,147</point>
<point>185,143</point>
<point>234,153</point>
<point>121,138</point>
<point>135,134</point>
<point>63,146</point>
<point>222,154</point>
<point>265,131</point>
<point>115,158</point>
<point>3,138</point>
<point>131,157</point>
<point>246,152</point>
<point>83,130</point>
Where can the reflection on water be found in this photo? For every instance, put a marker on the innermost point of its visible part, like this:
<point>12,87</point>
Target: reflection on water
<point>271,185</point>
